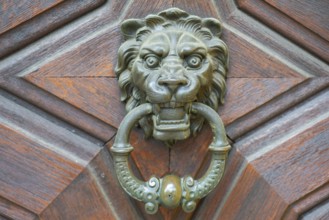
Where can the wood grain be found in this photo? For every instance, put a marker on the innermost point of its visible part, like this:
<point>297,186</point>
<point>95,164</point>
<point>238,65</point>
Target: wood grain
<point>193,151</point>
<point>98,96</point>
<point>199,8</point>
<point>69,36</point>
<point>150,156</point>
<point>311,14</point>
<point>310,205</point>
<point>302,116</point>
<point>254,199</point>
<point>14,13</point>
<point>287,161</point>
<point>37,25</point>
<point>145,8</point>
<point>276,106</point>
<point>31,175</point>
<point>291,22</point>
<point>50,132</point>
<point>58,108</point>
<point>10,210</point>
<point>246,94</point>
<point>94,194</point>
<point>319,212</point>
<point>40,156</point>
<point>95,57</point>
<point>251,61</point>
<point>266,38</point>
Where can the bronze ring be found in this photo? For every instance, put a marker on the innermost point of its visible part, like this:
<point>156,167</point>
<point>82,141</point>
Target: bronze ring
<point>170,190</point>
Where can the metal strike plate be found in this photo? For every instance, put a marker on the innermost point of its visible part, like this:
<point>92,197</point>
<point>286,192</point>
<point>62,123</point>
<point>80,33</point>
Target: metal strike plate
<point>171,71</point>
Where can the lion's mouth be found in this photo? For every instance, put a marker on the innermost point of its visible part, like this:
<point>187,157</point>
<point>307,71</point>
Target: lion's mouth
<point>171,121</point>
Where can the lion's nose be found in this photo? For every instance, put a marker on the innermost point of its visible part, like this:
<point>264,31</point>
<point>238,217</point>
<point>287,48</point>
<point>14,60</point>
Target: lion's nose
<point>173,82</point>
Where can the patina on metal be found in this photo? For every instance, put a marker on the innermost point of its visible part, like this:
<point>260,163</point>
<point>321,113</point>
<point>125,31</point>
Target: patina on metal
<point>171,71</point>
<point>170,190</point>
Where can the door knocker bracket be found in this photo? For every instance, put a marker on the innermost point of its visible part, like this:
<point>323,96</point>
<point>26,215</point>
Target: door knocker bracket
<point>171,71</point>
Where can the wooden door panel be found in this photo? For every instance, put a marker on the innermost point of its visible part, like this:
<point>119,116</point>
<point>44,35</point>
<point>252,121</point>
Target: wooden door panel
<point>302,21</point>
<point>10,210</point>
<point>276,106</point>
<point>249,60</point>
<point>277,44</point>
<point>34,19</point>
<point>246,94</point>
<point>287,157</point>
<point>13,13</point>
<point>319,212</point>
<point>40,156</point>
<point>93,56</point>
<point>94,194</point>
<point>92,95</point>
<point>275,167</point>
<point>58,108</point>
<point>310,14</point>
<point>61,105</point>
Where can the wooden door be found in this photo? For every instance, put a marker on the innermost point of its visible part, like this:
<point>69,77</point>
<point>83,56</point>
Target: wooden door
<point>60,109</point>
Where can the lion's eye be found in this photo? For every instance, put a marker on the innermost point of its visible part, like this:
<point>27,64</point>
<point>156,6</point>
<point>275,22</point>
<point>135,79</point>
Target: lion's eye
<point>194,61</point>
<point>152,61</point>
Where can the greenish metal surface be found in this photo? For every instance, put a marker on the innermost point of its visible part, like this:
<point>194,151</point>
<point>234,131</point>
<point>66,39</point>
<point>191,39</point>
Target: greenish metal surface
<point>171,60</point>
<point>170,190</point>
<point>171,71</point>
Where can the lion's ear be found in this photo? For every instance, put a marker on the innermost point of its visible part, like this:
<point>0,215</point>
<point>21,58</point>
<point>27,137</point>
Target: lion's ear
<point>213,25</point>
<point>130,26</point>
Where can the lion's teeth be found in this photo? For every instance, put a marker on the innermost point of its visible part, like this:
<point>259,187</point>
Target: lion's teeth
<point>167,122</point>
<point>172,104</point>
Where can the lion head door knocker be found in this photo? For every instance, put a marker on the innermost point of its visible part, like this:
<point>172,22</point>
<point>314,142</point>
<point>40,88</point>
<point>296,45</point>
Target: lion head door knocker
<point>171,70</point>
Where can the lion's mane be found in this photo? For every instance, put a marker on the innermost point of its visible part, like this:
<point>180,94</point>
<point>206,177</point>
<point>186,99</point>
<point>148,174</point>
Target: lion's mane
<point>137,30</point>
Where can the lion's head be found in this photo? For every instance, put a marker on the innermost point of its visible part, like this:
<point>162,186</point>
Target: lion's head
<point>171,60</point>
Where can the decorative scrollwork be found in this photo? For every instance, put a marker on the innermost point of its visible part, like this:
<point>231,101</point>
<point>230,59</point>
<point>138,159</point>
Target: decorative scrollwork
<point>197,189</point>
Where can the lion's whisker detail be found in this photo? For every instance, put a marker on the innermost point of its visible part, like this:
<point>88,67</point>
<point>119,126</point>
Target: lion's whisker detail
<point>171,72</point>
